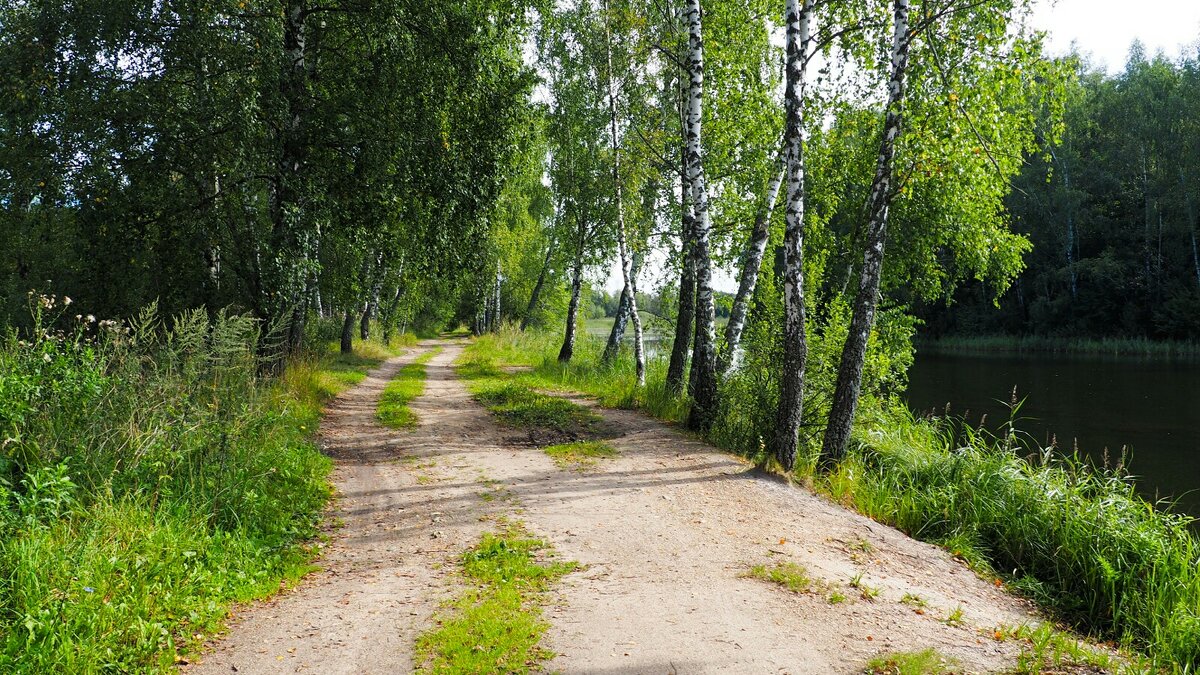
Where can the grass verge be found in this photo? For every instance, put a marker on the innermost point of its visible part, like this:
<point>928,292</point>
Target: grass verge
<point>149,478</point>
<point>515,402</point>
<point>496,625</point>
<point>409,383</point>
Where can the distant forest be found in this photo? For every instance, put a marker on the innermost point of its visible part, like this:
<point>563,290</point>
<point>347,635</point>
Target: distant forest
<point>1111,214</point>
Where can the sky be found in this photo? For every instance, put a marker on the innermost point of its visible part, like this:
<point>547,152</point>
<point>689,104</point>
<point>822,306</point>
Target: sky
<point>1105,28</point>
<point>1102,29</point>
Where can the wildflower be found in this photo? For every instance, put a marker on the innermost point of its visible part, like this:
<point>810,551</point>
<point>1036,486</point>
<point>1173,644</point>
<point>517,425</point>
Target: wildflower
<point>91,318</point>
<point>66,301</point>
<point>47,358</point>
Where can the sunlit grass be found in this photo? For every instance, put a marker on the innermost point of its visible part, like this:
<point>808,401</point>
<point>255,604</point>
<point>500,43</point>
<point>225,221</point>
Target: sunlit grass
<point>789,575</point>
<point>496,624</point>
<point>924,662</point>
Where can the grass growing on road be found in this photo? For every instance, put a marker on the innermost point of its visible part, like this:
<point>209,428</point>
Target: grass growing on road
<point>409,383</point>
<point>496,625</point>
<point>581,455</point>
<point>790,575</point>
<point>518,405</point>
<point>924,662</point>
<point>515,402</point>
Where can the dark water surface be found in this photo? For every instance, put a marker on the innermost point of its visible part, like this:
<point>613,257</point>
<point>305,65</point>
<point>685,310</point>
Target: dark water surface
<point>1150,407</point>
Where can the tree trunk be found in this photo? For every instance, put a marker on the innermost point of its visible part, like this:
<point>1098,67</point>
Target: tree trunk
<point>795,341</point>
<point>621,320</point>
<point>704,353</point>
<point>388,319</point>
<point>348,333</point>
<point>849,381</point>
<point>681,345</point>
<point>639,353</point>
<point>537,288</point>
<point>289,244</point>
<point>372,304</point>
<point>1191,216</point>
<point>751,264</point>
<point>568,345</point>
<point>495,327</point>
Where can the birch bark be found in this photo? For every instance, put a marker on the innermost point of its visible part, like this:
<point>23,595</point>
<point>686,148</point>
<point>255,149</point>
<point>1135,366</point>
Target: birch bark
<point>795,341</point>
<point>682,344</point>
<point>537,287</point>
<point>639,354</point>
<point>849,381</point>
<point>704,356</point>
<point>751,264</point>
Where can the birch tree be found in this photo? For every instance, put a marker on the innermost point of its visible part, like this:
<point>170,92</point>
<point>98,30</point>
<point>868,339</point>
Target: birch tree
<point>629,291</point>
<point>798,19</point>
<point>704,355</point>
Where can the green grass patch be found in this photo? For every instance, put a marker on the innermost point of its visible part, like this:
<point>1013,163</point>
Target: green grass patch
<point>581,455</point>
<point>1049,650</point>
<point>790,575</point>
<point>406,386</point>
<point>149,480</point>
<point>496,625</point>
<point>924,662</point>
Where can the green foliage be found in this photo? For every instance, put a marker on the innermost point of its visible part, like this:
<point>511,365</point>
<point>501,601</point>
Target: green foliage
<point>150,478</point>
<point>496,624</point>
<point>409,383</point>
<point>1112,214</point>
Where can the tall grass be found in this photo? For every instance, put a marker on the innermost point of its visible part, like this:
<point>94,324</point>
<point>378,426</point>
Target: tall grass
<point>149,476</point>
<point>1076,538</point>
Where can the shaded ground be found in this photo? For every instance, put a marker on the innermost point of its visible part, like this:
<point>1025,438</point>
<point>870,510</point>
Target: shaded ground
<point>665,531</point>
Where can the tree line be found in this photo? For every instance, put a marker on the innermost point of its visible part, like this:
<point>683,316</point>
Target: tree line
<point>1111,212</point>
<point>380,162</point>
<point>290,158</point>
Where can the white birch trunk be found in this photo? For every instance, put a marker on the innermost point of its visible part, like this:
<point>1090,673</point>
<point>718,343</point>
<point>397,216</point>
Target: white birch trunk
<point>849,382</point>
<point>639,354</point>
<point>751,264</point>
<point>795,342</point>
<point>704,355</point>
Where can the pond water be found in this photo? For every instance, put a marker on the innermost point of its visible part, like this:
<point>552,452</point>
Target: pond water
<point>1151,408</point>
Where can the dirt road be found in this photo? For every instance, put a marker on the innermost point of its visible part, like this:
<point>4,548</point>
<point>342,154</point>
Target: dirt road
<point>665,532</point>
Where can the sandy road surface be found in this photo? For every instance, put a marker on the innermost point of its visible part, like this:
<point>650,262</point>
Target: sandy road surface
<point>664,530</point>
